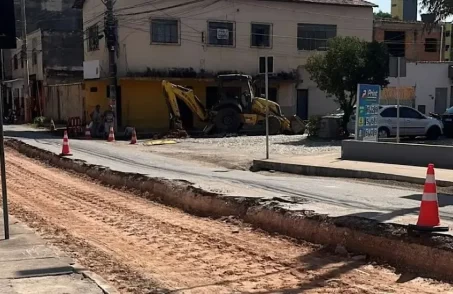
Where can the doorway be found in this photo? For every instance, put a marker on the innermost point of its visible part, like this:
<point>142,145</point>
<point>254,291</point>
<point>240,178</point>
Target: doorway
<point>302,104</point>
<point>440,100</point>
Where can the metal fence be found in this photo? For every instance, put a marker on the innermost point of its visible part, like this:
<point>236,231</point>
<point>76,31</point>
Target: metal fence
<point>64,101</point>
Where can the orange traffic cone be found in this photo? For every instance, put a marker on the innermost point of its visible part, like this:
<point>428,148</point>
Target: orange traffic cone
<point>134,137</point>
<point>111,135</point>
<point>87,132</point>
<point>65,150</point>
<point>428,218</point>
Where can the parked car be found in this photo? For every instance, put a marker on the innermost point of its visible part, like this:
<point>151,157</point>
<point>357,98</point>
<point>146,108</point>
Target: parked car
<point>447,120</point>
<point>413,123</point>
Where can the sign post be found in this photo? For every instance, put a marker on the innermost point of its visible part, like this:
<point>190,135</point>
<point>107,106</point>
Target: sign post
<point>367,111</point>
<point>7,41</point>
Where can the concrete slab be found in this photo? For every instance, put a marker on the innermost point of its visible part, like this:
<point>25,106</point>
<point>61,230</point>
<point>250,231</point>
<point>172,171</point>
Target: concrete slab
<point>68,284</point>
<point>34,268</point>
<point>20,241</point>
<point>330,165</point>
<point>34,252</point>
<point>30,266</point>
<point>15,228</point>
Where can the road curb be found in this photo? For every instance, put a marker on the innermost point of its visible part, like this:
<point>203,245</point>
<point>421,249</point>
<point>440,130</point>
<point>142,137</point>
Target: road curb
<point>428,255</point>
<point>322,171</point>
<point>97,279</point>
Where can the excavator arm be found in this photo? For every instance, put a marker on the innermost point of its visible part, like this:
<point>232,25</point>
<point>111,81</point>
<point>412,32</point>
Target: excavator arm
<point>173,93</point>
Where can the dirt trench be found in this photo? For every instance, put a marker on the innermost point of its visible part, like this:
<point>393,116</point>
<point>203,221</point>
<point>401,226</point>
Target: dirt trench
<point>144,247</point>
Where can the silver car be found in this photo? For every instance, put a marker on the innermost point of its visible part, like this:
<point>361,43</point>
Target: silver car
<point>413,123</point>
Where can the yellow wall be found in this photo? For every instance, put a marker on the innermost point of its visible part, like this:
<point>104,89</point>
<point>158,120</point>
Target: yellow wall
<point>397,9</point>
<point>92,98</point>
<point>143,103</point>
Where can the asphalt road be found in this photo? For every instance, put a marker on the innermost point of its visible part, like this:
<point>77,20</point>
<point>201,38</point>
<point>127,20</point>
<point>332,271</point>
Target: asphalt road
<point>335,197</point>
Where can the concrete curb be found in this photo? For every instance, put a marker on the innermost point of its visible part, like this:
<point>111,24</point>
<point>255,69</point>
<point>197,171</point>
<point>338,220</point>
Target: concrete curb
<point>322,171</point>
<point>385,241</point>
<point>97,279</point>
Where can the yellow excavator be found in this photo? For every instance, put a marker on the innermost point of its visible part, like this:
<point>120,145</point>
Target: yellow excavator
<point>230,113</point>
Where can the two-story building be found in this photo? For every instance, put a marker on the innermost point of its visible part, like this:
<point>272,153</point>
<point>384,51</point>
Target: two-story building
<point>54,53</point>
<point>189,42</point>
<point>410,39</point>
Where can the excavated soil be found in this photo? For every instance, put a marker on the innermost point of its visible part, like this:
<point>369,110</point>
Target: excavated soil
<point>144,247</point>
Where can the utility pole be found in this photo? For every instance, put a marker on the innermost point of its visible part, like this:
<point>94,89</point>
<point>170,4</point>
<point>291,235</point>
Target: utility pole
<point>398,101</point>
<point>110,32</point>
<point>2,153</point>
<point>8,30</point>
<point>266,81</point>
<point>24,55</point>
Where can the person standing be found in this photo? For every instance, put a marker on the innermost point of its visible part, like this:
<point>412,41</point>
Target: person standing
<point>96,118</point>
<point>109,120</point>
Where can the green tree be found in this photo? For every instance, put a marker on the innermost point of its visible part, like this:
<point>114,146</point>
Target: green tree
<point>440,9</point>
<point>349,61</point>
<point>382,14</point>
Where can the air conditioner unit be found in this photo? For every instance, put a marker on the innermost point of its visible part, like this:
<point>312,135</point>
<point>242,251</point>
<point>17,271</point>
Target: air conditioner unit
<point>91,70</point>
<point>262,64</point>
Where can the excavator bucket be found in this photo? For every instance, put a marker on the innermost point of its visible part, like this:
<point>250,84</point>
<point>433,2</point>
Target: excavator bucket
<point>297,125</point>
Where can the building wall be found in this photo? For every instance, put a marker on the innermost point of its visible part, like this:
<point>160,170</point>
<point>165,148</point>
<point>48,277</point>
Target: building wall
<point>57,15</point>
<point>404,9</point>
<point>415,37</point>
<point>426,77</point>
<point>448,42</point>
<point>34,40</point>
<point>136,54</point>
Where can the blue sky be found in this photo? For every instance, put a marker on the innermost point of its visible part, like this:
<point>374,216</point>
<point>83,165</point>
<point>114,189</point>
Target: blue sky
<point>384,5</point>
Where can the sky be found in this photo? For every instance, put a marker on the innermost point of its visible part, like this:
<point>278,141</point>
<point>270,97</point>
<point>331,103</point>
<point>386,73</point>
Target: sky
<point>385,6</point>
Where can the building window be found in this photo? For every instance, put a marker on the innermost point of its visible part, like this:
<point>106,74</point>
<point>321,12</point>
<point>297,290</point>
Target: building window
<point>447,34</point>
<point>221,33</point>
<point>22,60</point>
<point>314,36</point>
<point>93,38</point>
<point>447,47</point>
<point>395,42</point>
<point>15,62</point>
<point>165,31</point>
<point>261,35</point>
<point>34,57</point>
<point>430,45</point>
<point>262,64</point>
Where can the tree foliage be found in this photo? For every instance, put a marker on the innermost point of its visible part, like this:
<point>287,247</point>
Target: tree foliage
<point>349,61</point>
<point>382,14</point>
<point>440,9</point>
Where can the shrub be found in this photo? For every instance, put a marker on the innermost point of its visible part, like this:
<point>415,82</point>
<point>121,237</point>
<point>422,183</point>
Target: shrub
<point>39,121</point>
<point>313,125</point>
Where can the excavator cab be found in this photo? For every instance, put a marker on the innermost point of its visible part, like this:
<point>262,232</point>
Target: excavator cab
<point>235,89</point>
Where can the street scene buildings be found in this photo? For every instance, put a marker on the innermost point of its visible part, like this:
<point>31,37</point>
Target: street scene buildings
<point>225,146</point>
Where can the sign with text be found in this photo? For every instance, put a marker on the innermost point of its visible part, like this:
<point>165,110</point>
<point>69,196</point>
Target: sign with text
<point>367,111</point>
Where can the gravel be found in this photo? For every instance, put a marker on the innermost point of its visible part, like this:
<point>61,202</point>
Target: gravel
<point>238,152</point>
<point>283,145</point>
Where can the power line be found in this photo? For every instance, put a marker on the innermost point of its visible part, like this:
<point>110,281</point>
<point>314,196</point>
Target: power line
<point>160,9</point>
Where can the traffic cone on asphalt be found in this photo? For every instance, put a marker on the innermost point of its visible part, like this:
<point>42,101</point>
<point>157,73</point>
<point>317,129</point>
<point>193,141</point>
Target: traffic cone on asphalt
<point>428,217</point>
<point>134,137</point>
<point>87,132</point>
<point>65,149</point>
<point>111,135</point>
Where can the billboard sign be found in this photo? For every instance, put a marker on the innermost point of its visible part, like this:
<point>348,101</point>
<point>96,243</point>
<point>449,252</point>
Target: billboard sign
<point>367,112</point>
